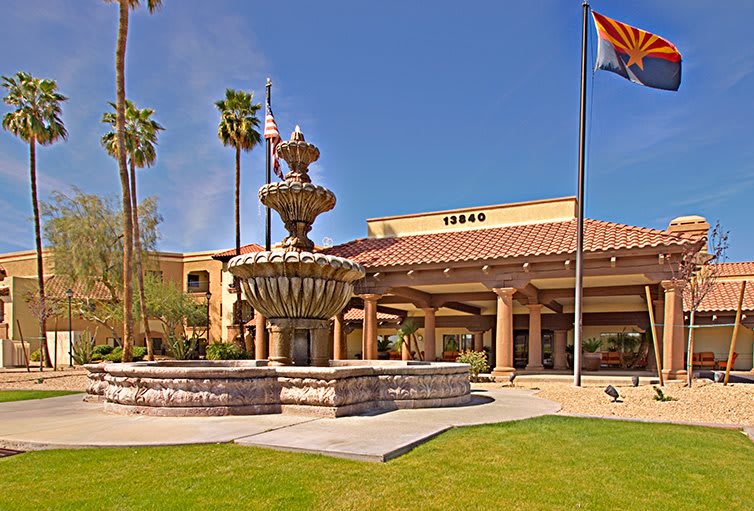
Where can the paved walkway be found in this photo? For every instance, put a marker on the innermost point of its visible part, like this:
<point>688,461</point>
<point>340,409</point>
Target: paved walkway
<point>68,422</point>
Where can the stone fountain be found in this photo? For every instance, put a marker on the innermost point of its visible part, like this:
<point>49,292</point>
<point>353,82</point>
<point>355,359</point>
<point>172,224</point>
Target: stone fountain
<point>298,291</point>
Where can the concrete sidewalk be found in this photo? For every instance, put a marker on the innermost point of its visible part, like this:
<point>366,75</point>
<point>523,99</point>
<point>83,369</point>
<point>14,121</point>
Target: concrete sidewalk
<point>67,422</point>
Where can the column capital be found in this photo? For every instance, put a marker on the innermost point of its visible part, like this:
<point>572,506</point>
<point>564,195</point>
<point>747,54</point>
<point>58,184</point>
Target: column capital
<point>504,292</point>
<point>534,306</point>
<point>370,297</point>
<point>673,285</point>
<point>431,310</point>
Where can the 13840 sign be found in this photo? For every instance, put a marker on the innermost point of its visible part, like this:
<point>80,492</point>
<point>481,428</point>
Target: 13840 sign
<point>463,218</point>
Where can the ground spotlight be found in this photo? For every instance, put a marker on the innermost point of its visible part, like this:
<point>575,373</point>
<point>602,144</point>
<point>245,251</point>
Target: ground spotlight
<point>635,381</point>
<point>511,378</point>
<point>612,392</point>
<point>718,376</point>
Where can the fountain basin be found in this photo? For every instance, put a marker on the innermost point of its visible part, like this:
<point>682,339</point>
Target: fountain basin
<point>250,387</point>
<point>297,285</point>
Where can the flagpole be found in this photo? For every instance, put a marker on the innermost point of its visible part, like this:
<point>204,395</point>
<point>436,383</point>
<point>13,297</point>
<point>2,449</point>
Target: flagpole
<point>578,312</point>
<point>267,233</point>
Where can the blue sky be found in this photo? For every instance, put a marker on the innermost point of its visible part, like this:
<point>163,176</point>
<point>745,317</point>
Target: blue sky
<point>415,106</point>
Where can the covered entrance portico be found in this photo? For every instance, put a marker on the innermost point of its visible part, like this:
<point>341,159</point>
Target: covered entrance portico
<point>513,283</point>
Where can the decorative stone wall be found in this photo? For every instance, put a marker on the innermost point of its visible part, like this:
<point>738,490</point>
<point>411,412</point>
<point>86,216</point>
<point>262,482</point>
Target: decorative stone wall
<point>205,388</point>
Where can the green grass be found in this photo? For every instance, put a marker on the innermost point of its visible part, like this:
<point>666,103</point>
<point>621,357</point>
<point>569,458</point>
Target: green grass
<point>544,463</point>
<point>23,395</point>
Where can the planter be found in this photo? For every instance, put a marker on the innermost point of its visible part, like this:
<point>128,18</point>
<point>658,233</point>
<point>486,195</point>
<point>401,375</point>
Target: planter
<point>383,355</point>
<point>592,361</point>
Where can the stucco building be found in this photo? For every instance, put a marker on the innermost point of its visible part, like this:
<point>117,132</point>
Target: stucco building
<point>497,278</point>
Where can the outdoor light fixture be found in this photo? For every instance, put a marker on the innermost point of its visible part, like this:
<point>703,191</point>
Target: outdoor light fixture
<point>718,376</point>
<point>511,378</point>
<point>69,294</point>
<point>635,381</point>
<point>612,392</point>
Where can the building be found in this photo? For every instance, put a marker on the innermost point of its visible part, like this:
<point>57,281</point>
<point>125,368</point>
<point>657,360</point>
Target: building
<point>497,278</point>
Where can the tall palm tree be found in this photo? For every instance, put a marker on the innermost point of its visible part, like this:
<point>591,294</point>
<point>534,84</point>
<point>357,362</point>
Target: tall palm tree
<point>120,128</point>
<point>141,139</point>
<point>35,120</point>
<point>238,128</point>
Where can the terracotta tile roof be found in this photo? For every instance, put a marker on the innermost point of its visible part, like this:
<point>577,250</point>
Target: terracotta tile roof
<point>57,285</point>
<point>736,269</point>
<point>503,242</point>
<point>723,297</point>
<point>358,315</point>
<point>227,255</point>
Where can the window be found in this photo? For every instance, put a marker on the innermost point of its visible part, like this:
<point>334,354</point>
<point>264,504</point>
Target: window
<point>457,342</point>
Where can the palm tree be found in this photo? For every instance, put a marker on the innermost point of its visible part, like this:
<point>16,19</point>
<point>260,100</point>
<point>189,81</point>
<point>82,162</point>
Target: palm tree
<point>238,129</point>
<point>141,139</point>
<point>36,120</point>
<point>120,129</point>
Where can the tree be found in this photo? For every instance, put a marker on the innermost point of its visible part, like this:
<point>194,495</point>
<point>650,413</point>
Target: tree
<point>173,308</point>
<point>84,236</point>
<point>141,139</point>
<point>238,129</point>
<point>35,120</point>
<point>697,270</point>
<point>120,129</point>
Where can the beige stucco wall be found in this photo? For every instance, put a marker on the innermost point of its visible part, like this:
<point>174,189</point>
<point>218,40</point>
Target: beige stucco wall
<point>717,340</point>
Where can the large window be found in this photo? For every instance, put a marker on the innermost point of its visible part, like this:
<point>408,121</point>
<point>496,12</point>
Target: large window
<point>457,342</point>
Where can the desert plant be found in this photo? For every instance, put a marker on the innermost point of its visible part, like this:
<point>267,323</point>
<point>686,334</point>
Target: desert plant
<point>476,359</point>
<point>224,351</point>
<point>183,348</point>
<point>661,395</point>
<point>384,343</point>
<point>592,344</point>
<point>82,350</point>
<point>35,355</point>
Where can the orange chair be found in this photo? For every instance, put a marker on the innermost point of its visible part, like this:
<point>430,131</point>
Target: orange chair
<point>611,359</point>
<point>723,364</point>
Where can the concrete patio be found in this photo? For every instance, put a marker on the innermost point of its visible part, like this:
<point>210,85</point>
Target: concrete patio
<point>69,423</point>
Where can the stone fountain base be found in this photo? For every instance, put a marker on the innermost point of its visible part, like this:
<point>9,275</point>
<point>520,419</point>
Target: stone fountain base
<point>250,387</point>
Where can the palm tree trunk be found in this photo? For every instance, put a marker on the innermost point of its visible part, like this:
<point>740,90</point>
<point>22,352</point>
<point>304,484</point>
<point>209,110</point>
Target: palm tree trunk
<point>120,126</point>
<point>239,306</point>
<point>40,266</point>
<point>139,265</point>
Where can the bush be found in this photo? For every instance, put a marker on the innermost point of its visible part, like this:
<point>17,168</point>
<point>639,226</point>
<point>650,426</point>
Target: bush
<point>224,351</point>
<point>99,352</point>
<point>35,355</point>
<point>183,348</point>
<point>116,354</point>
<point>476,359</point>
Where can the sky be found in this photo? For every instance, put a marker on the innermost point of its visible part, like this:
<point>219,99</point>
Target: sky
<point>415,106</point>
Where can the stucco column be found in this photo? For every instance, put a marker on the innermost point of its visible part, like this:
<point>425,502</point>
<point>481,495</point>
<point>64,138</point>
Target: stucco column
<point>479,341</point>
<point>369,339</point>
<point>260,336</point>
<point>559,349</point>
<point>504,332</point>
<point>339,347</point>
<point>319,342</point>
<point>535,337</point>
<point>672,335</point>
<point>429,334</point>
<point>659,308</point>
<point>281,340</point>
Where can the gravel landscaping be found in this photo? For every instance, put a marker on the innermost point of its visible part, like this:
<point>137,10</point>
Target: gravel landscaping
<point>705,402</point>
<point>66,379</point>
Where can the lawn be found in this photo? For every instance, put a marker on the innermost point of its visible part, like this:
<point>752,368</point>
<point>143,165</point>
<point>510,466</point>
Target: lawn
<point>23,395</point>
<point>544,463</point>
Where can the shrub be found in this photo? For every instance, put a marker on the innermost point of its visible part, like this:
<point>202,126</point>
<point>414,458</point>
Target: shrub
<point>183,348</point>
<point>99,352</point>
<point>224,351</point>
<point>139,353</point>
<point>476,359</point>
<point>82,350</point>
<point>35,355</point>
<point>114,356</point>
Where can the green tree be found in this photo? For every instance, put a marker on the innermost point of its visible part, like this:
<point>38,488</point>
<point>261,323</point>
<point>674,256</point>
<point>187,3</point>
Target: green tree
<point>141,142</point>
<point>120,128</point>
<point>83,232</point>
<point>238,128</point>
<point>35,120</point>
<point>174,308</point>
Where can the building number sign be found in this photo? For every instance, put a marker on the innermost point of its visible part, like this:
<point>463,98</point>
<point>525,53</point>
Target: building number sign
<point>462,219</point>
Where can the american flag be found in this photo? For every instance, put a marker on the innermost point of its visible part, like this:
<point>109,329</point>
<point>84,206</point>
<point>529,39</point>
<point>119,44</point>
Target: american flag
<point>271,132</point>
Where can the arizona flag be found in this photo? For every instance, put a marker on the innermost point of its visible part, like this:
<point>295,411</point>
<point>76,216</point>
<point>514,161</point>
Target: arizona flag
<point>637,55</point>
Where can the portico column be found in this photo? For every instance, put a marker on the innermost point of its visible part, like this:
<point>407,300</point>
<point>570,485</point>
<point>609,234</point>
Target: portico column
<point>672,335</point>
<point>559,349</point>
<point>535,337</point>
<point>429,333</point>
<point>369,339</point>
<point>504,332</point>
<point>260,336</point>
<point>479,341</point>
<point>339,345</point>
